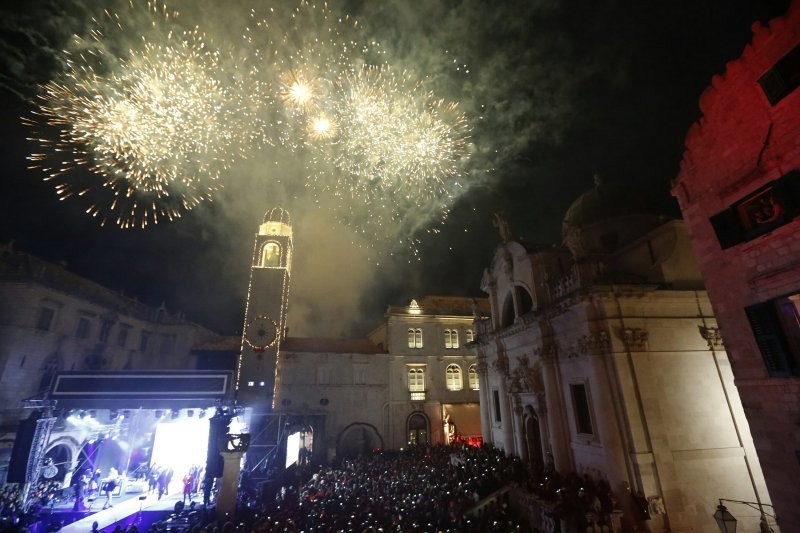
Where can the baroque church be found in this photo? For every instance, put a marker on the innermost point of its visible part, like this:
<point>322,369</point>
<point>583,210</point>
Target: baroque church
<point>602,357</point>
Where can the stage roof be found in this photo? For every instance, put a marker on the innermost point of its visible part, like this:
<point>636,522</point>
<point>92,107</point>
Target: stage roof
<point>146,389</point>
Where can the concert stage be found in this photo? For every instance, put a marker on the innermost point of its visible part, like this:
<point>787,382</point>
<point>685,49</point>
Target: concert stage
<point>125,511</point>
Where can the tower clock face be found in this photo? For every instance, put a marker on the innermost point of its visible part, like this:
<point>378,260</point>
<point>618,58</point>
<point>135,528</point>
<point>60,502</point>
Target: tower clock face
<point>261,333</point>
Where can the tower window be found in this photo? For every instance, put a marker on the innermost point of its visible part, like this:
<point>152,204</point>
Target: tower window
<point>451,338</point>
<point>474,384</point>
<point>271,255</point>
<point>415,338</point>
<point>496,402</point>
<point>453,377</point>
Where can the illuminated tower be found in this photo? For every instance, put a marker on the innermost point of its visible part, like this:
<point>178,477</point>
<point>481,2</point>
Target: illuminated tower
<point>265,313</point>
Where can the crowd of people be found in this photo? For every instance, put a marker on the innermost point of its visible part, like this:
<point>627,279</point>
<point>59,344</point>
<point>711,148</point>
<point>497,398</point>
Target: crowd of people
<point>423,488</point>
<point>10,506</point>
<point>426,488</point>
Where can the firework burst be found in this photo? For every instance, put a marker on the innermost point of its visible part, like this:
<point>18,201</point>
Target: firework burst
<point>141,135</point>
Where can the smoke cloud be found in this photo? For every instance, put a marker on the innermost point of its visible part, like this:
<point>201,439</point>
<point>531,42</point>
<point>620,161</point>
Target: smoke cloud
<point>554,91</point>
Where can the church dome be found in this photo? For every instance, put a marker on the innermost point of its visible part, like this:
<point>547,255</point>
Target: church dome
<point>278,214</point>
<point>605,201</point>
<point>606,217</point>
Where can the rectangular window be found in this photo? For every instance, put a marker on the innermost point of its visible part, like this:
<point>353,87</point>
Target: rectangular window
<point>470,335</point>
<point>496,398</point>
<point>776,328</point>
<point>122,335</point>
<point>144,341</point>
<point>84,326</point>
<point>783,78</point>
<point>580,404</point>
<point>105,330</point>
<point>46,316</point>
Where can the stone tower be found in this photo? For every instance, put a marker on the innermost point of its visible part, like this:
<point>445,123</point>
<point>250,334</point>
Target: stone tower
<point>257,373</point>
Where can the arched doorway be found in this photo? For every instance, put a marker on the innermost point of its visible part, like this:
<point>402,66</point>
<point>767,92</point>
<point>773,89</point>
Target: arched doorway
<point>358,439</point>
<point>418,429</point>
<point>533,442</point>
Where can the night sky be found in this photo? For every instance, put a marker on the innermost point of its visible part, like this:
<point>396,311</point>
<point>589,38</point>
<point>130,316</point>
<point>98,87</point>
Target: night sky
<point>557,91</point>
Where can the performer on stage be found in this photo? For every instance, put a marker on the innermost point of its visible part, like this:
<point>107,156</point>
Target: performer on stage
<point>80,487</point>
<point>109,484</point>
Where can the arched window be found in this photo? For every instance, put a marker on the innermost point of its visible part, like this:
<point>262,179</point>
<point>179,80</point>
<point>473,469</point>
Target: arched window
<point>416,382</point>
<point>417,429</point>
<point>416,379</point>
<point>473,378</point>
<point>451,338</point>
<point>470,335</point>
<point>415,338</point>
<point>524,301</point>
<point>508,315</point>
<point>453,377</point>
<point>271,255</point>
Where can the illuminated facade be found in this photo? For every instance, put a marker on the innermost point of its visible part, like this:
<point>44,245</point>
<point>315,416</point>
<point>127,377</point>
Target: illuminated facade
<point>431,397</point>
<point>739,190</point>
<point>603,357</point>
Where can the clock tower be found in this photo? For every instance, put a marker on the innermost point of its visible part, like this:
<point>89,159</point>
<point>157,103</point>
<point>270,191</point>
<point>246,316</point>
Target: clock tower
<point>258,367</point>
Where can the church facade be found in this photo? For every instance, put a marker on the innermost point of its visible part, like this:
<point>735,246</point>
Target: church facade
<point>603,357</point>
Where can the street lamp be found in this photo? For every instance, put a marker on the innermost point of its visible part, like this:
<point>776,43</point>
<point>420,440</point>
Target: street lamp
<point>727,523</point>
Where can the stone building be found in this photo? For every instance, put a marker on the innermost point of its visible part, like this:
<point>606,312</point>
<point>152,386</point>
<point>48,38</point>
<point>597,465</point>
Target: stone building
<point>52,320</point>
<point>603,357</point>
<point>739,190</point>
<point>412,381</point>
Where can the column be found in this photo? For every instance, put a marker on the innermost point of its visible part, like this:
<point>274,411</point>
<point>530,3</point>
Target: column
<point>485,404</point>
<point>505,417</point>
<point>558,434</point>
<point>519,428</point>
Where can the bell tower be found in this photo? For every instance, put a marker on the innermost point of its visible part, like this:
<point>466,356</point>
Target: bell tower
<point>265,313</point>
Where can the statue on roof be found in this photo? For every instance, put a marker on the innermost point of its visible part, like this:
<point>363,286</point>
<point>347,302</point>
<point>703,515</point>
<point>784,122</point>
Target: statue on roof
<point>501,223</point>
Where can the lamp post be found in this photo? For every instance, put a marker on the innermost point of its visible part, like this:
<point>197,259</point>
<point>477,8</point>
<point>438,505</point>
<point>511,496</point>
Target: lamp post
<point>727,523</point>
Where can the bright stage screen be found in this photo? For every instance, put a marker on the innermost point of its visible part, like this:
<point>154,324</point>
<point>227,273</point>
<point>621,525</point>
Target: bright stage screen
<point>292,449</point>
<point>181,444</point>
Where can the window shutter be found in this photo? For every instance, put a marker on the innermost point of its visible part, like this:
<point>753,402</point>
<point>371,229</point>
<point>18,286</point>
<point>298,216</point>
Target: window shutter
<point>727,227</point>
<point>766,330</point>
